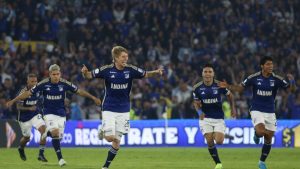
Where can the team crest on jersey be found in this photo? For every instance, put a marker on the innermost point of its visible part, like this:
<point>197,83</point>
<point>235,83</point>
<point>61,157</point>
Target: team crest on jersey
<point>60,88</point>
<point>259,83</point>
<point>215,91</point>
<point>272,83</point>
<point>48,88</point>
<point>203,92</point>
<point>126,76</point>
<point>112,76</point>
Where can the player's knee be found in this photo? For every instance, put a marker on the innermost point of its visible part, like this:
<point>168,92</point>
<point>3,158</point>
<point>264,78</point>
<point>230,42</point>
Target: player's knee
<point>260,132</point>
<point>109,138</point>
<point>42,129</point>
<point>55,133</point>
<point>219,142</point>
<point>26,138</point>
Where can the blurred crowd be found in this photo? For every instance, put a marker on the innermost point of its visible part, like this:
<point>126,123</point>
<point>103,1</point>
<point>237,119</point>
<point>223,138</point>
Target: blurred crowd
<point>179,35</point>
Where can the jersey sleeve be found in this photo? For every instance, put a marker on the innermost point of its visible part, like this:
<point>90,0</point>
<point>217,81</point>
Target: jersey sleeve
<point>224,91</point>
<point>19,93</point>
<point>247,82</point>
<point>99,73</point>
<point>282,83</point>
<point>196,96</point>
<point>37,88</point>
<point>137,73</point>
<point>71,87</point>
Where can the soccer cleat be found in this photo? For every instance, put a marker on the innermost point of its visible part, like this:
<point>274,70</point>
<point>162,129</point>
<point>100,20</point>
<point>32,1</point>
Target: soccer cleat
<point>100,134</point>
<point>219,166</point>
<point>22,154</point>
<point>42,158</point>
<point>104,168</point>
<point>256,139</point>
<point>62,162</point>
<point>262,165</point>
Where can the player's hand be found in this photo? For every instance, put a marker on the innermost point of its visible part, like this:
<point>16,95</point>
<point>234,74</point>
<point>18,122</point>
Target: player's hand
<point>9,103</point>
<point>233,113</point>
<point>290,76</point>
<point>160,71</point>
<point>223,84</point>
<point>84,69</point>
<point>97,101</point>
<point>32,108</point>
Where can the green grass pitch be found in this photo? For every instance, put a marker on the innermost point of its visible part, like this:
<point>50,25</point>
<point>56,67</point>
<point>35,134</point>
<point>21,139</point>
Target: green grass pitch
<point>152,158</point>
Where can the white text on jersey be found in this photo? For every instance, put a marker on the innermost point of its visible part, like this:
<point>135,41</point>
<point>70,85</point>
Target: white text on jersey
<point>119,86</point>
<point>264,93</point>
<point>54,97</point>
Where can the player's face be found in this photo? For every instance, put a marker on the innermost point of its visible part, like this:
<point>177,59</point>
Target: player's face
<point>267,67</point>
<point>55,76</point>
<point>31,81</point>
<point>208,74</point>
<point>122,59</point>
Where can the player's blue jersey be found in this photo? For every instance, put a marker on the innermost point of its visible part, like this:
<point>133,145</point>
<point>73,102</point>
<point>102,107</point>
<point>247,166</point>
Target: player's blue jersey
<point>210,97</point>
<point>117,86</point>
<point>54,95</point>
<point>26,115</point>
<point>264,91</point>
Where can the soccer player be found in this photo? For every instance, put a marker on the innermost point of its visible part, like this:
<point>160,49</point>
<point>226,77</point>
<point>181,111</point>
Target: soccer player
<point>54,91</point>
<point>28,117</point>
<point>264,84</point>
<point>207,100</point>
<point>118,78</point>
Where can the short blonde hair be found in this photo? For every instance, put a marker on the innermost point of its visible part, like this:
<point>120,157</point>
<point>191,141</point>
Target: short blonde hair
<point>54,67</point>
<point>117,50</point>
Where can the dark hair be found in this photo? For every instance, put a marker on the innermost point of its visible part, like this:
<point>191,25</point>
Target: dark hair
<point>265,59</point>
<point>31,75</point>
<point>208,65</point>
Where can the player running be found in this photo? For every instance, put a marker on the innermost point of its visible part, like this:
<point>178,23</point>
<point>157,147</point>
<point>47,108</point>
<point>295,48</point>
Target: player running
<point>118,78</point>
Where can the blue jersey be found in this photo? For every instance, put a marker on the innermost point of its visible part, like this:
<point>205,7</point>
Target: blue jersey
<point>264,91</point>
<point>54,95</point>
<point>26,115</point>
<point>210,98</point>
<point>117,86</point>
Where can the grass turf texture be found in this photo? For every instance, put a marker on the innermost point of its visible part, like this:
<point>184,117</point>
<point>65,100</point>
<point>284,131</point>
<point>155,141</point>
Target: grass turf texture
<point>152,158</point>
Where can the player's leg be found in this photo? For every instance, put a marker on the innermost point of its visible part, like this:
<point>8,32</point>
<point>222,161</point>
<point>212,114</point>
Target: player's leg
<point>258,121</point>
<point>26,131</point>
<point>269,133</point>
<point>113,151</point>
<point>40,125</point>
<point>207,130</point>
<point>219,135</point>
<point>121,126</point>
<point>219,131</point>
<point>54,124</point>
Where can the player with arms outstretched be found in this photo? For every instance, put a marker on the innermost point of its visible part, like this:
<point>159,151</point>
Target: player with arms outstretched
<point>118,78</point>
<point>264,84</point>
<point>54,90</point>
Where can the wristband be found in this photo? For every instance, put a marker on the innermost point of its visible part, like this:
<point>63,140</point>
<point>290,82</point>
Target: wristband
<point>199,111</point>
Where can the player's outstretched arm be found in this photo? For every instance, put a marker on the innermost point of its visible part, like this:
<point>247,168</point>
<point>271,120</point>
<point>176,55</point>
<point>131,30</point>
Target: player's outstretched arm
<point>237,88</point>
<point>230,98</point>
<point>20,107</point>
<point>86,73</point>
<point>22,96</point>
<point>158,71</point>
<point>84,93</point>
<point>293,86</point>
